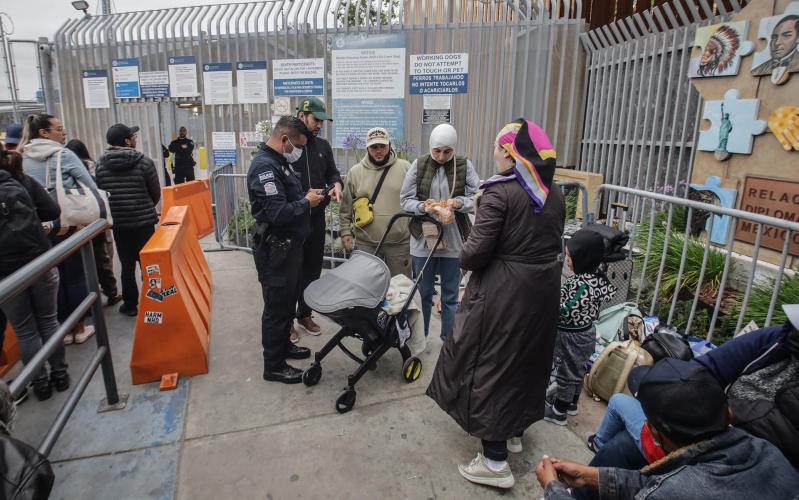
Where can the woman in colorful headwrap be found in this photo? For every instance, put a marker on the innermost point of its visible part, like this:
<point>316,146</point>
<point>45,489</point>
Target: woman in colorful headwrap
<point>493,370</point>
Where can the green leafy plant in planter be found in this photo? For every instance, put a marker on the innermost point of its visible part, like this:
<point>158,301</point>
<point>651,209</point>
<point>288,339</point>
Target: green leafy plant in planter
<point>572,195</point>
<point>240,225</point>
<point>760,299</point>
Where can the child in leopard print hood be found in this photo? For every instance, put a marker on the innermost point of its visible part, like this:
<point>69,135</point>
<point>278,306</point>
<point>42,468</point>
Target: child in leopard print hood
<point>581,298</point>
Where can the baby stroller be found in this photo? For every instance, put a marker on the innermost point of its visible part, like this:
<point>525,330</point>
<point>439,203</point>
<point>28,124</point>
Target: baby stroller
<point>352,295</point>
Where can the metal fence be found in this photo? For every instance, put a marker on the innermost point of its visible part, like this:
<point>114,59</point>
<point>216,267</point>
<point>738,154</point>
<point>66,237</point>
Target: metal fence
<point>642,112</point>
<point>524,60</point>
<point>18,282</point>
<point>705,288</point>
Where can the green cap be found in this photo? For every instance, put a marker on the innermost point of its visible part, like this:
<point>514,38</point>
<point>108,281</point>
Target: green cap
<point>315,106</point>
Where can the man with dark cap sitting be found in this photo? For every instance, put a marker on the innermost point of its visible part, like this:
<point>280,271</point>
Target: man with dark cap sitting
<point>688,416</point>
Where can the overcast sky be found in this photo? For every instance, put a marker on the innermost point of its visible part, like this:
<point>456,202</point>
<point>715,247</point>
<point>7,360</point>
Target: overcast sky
<point>35,18</point>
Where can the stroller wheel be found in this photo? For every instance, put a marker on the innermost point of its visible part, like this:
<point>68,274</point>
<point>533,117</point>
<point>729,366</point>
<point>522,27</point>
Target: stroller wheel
<point>411,369</point>
<point>312,375</point>
<point>345,401</point>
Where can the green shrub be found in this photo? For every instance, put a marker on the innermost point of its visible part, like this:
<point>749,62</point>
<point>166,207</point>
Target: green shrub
<point>760,299</point>
<point>240,224</point>
<point>572,195</point>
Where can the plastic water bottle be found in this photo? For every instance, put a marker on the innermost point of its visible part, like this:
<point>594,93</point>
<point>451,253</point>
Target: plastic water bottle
<point>385,305</point>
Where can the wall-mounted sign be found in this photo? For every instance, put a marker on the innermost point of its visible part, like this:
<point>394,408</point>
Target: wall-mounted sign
<point>298,77</point>
<point>154,83</point>
<point>439,73</point>
<point>125,73</point>
<point>183,76</point>
<point>224,146</point>
<point>218,83</point>
<point>251,82</point>
<point>437,109</point>
<point>95,89</point>
<point>775,198</point>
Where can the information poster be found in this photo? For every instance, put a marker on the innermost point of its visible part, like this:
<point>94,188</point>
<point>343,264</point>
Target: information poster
<point>95,89</point>
<point>224,146</point>
<point>437,109</point>
<point>251,82</point>
<point>183,76</point>
<point>154,83</point>
<point>126,78</point>
<point>439,73</point>
<point>298,77</point>
<point>372,66</point>
<point>218,83</point>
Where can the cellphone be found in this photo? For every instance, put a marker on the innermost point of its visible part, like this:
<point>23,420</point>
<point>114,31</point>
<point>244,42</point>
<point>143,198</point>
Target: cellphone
<point>328,189</point>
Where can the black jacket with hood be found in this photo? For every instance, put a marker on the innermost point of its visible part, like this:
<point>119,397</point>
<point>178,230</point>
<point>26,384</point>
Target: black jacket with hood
<point>132,183</point>
<point>317,168</point>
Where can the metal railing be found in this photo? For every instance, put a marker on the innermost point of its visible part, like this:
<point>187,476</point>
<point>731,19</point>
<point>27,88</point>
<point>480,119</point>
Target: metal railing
<point>16,283</point>
<point>682,274</point>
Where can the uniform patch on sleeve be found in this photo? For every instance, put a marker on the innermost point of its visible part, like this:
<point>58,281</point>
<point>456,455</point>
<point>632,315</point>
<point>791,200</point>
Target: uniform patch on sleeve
<point>270,188</point>
<point>266,176</point>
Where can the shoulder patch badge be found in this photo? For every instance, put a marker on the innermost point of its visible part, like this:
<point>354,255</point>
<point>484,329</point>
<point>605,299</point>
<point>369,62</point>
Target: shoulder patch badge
<point>270,188</point>
<point>266,176</point>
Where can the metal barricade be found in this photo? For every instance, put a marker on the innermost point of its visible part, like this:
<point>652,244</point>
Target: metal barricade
<point>33,271</point>
<point>693,283</point>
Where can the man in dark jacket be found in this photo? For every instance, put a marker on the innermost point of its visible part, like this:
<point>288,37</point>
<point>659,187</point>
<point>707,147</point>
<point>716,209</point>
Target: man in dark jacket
<point>132,182</point>
<point>318,170</point>
<point>706,457</point>
<point>281,208</point>
<point>182,149</point>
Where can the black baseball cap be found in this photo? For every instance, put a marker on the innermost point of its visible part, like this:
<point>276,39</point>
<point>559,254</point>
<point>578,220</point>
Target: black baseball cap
<point>117,134</point>
<point>681,399</point>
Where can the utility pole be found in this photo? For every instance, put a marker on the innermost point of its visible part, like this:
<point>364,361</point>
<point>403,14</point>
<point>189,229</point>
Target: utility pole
<point>12,87</point>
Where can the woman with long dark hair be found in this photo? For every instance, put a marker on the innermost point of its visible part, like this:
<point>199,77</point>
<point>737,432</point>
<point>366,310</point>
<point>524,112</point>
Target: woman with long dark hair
<point>25,204</point>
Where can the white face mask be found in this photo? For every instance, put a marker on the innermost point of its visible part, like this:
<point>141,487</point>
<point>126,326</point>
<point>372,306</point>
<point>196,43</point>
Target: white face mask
<point>294,155</point>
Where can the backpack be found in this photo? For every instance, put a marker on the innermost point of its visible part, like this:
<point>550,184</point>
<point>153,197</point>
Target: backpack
<point>613,324</point>
<point>609,372</point>
<point>20,228</point>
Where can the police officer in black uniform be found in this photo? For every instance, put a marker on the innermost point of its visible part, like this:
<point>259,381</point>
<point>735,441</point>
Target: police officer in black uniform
<point>282,210</point>
<point>318,170</point>
<point>182,149</point>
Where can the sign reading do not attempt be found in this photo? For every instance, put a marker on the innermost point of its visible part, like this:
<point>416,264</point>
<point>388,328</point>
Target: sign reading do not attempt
<point>439,73</point>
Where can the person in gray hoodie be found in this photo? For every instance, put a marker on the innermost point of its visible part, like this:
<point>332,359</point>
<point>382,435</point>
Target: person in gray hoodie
<point>42,144</point>
<point>132,182</point>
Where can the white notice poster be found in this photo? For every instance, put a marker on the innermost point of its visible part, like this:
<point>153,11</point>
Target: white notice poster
<point>369,73</point>
<point>95,89</point>
<point>252,83</point>
<point>183,76</point>
<point>298,77</point>
<point>126,78</point>
<point>218,83</point>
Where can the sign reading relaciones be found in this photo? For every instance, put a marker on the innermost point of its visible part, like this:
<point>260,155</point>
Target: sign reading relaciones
<point>95,89</point>
<point>218,83</point>
<point>125,73</point>
<point>368,85</point>
<point>439,73</point>
<point>298,77</point>
<point>183,76</point>
<point>252,82</point>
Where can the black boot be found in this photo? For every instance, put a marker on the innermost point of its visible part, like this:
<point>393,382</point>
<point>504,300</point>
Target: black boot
<point>297,352</point>
<point>60,381</point>
<point>287,375</point>
<point>43,389</point>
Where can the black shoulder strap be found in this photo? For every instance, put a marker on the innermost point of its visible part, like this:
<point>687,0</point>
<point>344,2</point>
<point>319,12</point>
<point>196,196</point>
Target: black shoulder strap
<point>379,185</point>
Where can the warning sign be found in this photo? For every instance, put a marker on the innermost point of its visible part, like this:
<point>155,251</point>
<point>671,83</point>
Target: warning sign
<point>153,317</point>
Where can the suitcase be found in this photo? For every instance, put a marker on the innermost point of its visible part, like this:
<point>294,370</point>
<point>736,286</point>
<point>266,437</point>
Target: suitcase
<point>609,372</point>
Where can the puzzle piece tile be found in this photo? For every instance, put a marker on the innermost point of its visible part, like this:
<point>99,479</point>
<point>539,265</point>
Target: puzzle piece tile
<point>722,46</point>
<point>726,197</point>
<point>733,122</point>
<point>780,57</point>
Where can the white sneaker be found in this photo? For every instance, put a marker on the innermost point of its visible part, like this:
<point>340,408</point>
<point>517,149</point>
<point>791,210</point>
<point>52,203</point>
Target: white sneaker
<point>478,472</point>
<point>83,336</point>
<point>515,445</point>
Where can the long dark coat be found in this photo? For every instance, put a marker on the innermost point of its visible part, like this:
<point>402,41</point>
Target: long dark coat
<point>493,370</point>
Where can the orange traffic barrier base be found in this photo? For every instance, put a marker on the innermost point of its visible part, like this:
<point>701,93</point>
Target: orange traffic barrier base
<point>173,325</point>
<point>169,382</point>
<point>197,196</point>
<point>9,356</point>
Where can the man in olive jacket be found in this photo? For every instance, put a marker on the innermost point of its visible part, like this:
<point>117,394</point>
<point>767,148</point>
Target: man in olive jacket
<point>132,183</point>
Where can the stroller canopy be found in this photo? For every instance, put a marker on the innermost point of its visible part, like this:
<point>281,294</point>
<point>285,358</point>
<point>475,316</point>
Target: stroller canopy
<point>362,281</point>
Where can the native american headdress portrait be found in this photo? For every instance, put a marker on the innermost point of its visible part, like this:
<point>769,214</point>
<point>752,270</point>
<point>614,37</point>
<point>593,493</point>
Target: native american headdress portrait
<point>719,51</point>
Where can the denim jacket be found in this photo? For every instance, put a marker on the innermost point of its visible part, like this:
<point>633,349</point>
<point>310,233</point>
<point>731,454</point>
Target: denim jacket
<point>729,466</point>
<point>40,154</point>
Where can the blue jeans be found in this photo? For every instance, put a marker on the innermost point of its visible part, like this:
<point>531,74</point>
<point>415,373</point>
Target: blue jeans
<point>624,414</point>
<point>449,270</point>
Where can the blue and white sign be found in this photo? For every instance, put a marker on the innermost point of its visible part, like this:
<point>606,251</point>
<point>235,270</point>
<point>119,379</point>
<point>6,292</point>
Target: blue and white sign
<point>224,146</point>
<point>298,77</point>
<point>95,89</point>
<point>439,73</point>
<point>218,83</point>
<point>183,76</point>
<point>126,78</point>
<point>251,82</point>
<point>154,83</point>
<point>364,98</point>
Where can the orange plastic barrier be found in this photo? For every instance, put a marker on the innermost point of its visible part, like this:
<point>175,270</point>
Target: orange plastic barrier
<point>195,194</point>
<point>10,354</point>
<point>173,326</point>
